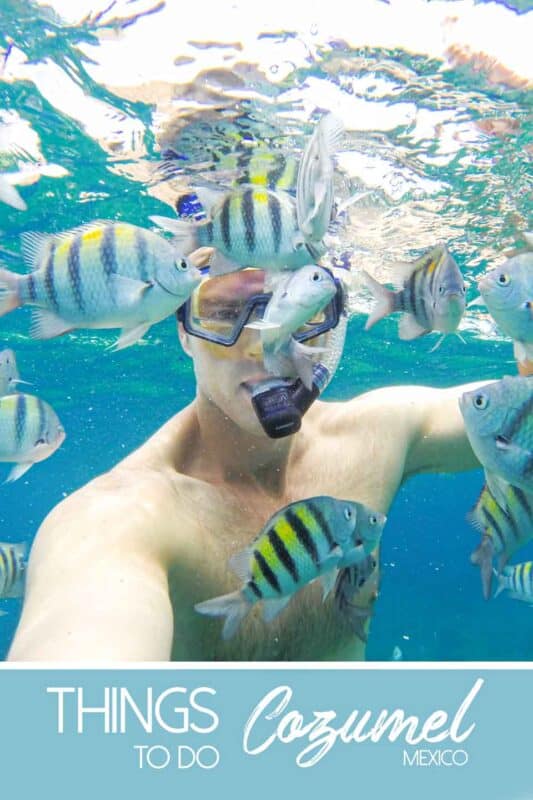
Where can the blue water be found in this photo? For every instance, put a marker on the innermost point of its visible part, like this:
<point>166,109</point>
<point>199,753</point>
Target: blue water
<point>437,150</point>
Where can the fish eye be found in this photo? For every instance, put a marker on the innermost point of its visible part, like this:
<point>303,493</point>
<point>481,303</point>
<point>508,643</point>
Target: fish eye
<point>316,276</point>
<point>464,288</point>
<point>481,401</point>
<point>182,265</point>
<point>373,519</point>
<point>441,289</point>
<point>504,279</point>
<point>40,441</point>
<point>347,513</point>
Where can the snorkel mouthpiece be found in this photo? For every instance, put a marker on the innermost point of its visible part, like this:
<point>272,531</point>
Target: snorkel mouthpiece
<point>280,403</point>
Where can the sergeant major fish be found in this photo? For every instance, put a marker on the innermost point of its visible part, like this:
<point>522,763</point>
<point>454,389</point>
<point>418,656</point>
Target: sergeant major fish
<point>296,299</point>
<point>103,275</point>
<point>508,295</point>
<point>12,568</point>
<point>305,540</point>
<point>499,424</point>
<point>349,585</point>
<point>30,431</point>
<point>249,227</point>
<point>432,297</point>
<point>506,524</point>
<point>517,581</point>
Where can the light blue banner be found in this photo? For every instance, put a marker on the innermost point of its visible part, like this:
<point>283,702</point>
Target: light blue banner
<point>263,733</point>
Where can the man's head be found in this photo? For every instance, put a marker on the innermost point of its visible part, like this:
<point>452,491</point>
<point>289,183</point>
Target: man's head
<point>228,355</point>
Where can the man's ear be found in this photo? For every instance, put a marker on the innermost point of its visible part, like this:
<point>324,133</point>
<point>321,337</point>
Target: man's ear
<point>184,339</point>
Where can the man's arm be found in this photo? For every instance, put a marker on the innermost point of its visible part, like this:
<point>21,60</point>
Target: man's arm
<point>96,585</point>
<point>438,437</point>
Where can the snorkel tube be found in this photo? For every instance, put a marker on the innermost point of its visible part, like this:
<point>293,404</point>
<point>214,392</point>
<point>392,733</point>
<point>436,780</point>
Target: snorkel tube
<point>280,403</point>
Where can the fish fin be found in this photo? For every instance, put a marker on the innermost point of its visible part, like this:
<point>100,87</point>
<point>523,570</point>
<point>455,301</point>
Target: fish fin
<point>129,336</point>
<point>355,555</point>
<point>3,613</point>
<point>185,233</point>
<point>439,342</point>
<point>221,265</point>
<point>46,325</point>
<point>18,471</point>
<point>302,357</point>
<point>409,328</point>
<point>9,291</point>
<point>35,247</point>
<point>498,488</point>
<point>483,558</point>
<point>385,299</point>
<point>274,606</point>
<point>314,191</point>
<point>128,291</point>
<point>331,561</point>
<point>233,606</point>
<point>328,582</point>
<point>239,563</point>
<point>501,583</point>
<point>10,196</point>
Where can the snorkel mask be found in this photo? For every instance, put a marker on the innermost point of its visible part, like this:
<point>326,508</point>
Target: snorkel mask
<point>222,306</point>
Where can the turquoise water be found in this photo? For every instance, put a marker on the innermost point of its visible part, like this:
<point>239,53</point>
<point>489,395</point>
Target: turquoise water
<point>438,148</point>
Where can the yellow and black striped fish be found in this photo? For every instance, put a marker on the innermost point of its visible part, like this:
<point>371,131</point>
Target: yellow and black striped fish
<point>102,275</point>
<point>30,431</point>
<point>12,568</point>
<point>305,540</point>
<point>249,226</point>
<point>506,524</point>
<point>432,297</point>
<point>517,580</point>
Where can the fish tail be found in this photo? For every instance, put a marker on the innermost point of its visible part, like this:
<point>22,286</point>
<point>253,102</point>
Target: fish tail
<point>501,583</point>
<point>385,300</point>
<point>185,233</point>
<point>9,291</point>
<point>483,558</point>
<point>233,606</point>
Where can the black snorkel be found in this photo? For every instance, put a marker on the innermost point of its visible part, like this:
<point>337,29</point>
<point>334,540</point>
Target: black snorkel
<point>280,403</point>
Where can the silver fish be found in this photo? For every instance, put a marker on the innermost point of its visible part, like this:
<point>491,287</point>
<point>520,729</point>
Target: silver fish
<point>30,431</point>
<point>305,540</point>
<point>314,187</point>
<point>12,568</point>
<point>297,298</point>
<point>103,275</point>
<point>499,424</point>
<point>432,297</point>
<point>508,295</point>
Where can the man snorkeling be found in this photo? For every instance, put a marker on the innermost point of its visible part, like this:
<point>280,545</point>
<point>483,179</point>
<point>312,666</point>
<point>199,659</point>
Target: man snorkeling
<point>117,567</point>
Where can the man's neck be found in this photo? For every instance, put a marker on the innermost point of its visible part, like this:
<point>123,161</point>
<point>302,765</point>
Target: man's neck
<point>226,453</point>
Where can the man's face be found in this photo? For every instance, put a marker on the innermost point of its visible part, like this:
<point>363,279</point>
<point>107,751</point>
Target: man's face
<point>226,375</point>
